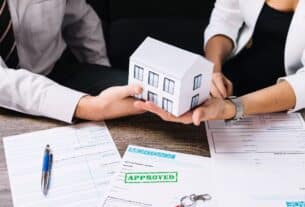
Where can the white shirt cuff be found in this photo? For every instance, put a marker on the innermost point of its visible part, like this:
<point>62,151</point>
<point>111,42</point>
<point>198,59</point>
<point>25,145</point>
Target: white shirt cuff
<point>60,103</point>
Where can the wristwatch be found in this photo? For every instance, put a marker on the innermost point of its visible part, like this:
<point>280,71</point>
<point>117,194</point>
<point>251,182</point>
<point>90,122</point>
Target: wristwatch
<point>239,109</point>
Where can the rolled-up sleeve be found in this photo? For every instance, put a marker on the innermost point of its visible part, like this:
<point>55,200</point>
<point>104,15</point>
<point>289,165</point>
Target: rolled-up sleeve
<point>37,95</point>
<point>226,20</point>
<point>297,82</point>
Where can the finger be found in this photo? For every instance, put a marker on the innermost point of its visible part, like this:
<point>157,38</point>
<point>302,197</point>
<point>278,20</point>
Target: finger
<point>148,106</point>
<point>140,105</point>
<point>130,90</point>
<point>186,118</point>
<point>166,116</point>
<point>219,84</point>
<point>198,115</point>
<point>133,108</point>
<point>215,92</point>
<point>160,112</point>
<point>229,86</point>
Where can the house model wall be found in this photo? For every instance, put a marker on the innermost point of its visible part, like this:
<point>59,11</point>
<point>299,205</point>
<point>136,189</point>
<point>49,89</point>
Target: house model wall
<point>172,78</point>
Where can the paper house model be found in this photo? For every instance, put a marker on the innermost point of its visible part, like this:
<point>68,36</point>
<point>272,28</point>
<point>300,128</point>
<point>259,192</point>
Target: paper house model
<point>172,78</point>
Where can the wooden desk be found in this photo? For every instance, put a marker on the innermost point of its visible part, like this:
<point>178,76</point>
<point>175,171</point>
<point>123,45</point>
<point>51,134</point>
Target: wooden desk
<point>145,130</point>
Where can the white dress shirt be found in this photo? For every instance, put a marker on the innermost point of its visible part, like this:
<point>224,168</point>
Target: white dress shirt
<point>43,29</point>
<point>237,19</point>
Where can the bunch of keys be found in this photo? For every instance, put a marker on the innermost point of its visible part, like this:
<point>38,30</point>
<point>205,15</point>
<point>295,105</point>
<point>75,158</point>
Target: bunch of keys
<point>191,200</point>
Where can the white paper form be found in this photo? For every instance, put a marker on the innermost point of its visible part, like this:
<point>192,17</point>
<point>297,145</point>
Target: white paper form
<point>274,121</point>
<point>156,178</point>
<point>268,181</point>
<point>85,159</point>
<point>261,134</point>
<point>259,142</point>
<point>259,161</point>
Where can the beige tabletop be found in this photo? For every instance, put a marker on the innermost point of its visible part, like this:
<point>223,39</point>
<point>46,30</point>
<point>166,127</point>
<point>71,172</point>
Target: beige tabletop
<point>145,130</point>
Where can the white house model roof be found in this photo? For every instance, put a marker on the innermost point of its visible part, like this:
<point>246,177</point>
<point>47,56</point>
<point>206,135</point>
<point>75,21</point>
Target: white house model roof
<point>165,58</point>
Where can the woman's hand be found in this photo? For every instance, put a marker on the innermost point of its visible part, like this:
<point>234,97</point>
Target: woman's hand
<point>212,109</point>
<point>111,103</point>
<point>222,87</point>
<point>164,115</point>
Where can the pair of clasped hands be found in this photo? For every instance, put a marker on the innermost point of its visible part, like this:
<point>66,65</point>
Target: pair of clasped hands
<point>118,101</point>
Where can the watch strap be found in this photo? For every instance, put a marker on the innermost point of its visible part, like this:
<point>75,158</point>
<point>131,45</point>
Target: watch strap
<point>239,108</point>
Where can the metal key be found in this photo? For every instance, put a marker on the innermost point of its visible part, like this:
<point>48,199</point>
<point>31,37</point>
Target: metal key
<point>191,200</point>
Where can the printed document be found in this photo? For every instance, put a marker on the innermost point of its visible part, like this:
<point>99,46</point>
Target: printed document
<point>85,159</point>
<point>156,178</point>
<point>259,161</point>
<point>275,121</point>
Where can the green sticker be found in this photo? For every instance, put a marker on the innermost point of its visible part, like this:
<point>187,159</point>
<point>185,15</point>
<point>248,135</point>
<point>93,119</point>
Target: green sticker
<point>151,177</point>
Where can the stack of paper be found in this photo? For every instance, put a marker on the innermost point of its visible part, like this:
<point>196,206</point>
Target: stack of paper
<point>258,162</point>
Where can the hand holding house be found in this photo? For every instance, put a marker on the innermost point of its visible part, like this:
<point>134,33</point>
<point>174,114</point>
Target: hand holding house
<point>172,78</point>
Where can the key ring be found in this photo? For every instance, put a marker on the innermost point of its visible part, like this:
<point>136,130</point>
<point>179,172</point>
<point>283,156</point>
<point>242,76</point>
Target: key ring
<point>190,201</point>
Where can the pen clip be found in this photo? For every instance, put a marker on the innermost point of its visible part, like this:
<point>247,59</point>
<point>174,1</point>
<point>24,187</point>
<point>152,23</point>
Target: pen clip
<point>50,161</point>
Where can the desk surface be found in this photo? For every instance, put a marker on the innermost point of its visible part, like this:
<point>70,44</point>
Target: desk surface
<point>145,130</point>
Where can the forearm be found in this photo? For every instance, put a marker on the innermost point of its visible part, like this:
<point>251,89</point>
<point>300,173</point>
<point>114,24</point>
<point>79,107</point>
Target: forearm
<point>34,94</point>
<point>279,97</point>
<point>218,49</point>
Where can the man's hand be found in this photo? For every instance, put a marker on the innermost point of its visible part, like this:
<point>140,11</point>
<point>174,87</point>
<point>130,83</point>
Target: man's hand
<point>112,103</point>
<point>212,109</point>
<point>222,87</point>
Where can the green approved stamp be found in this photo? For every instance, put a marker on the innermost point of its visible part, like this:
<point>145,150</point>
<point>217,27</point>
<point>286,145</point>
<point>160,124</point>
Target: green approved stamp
<point>151,177</point>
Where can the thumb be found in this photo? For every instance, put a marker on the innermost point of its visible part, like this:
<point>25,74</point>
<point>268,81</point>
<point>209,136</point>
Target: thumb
<point>130,90</point>
<point>198,115</point>
<point>220,86</point>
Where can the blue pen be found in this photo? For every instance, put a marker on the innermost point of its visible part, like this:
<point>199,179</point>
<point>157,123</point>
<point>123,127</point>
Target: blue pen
<point>46,170</point>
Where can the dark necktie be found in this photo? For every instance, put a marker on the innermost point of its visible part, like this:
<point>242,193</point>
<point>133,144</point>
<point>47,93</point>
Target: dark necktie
<point>8,50</point>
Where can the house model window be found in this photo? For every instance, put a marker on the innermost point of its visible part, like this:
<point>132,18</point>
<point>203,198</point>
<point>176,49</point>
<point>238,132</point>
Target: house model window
<point>138,73</point>
<point>168,86</point>
<point>167,105</point>
<point>195,101</point>
<point>152,97</point>
<point>197,82</point>
<point>172,78</point>
<point>153,79</point>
